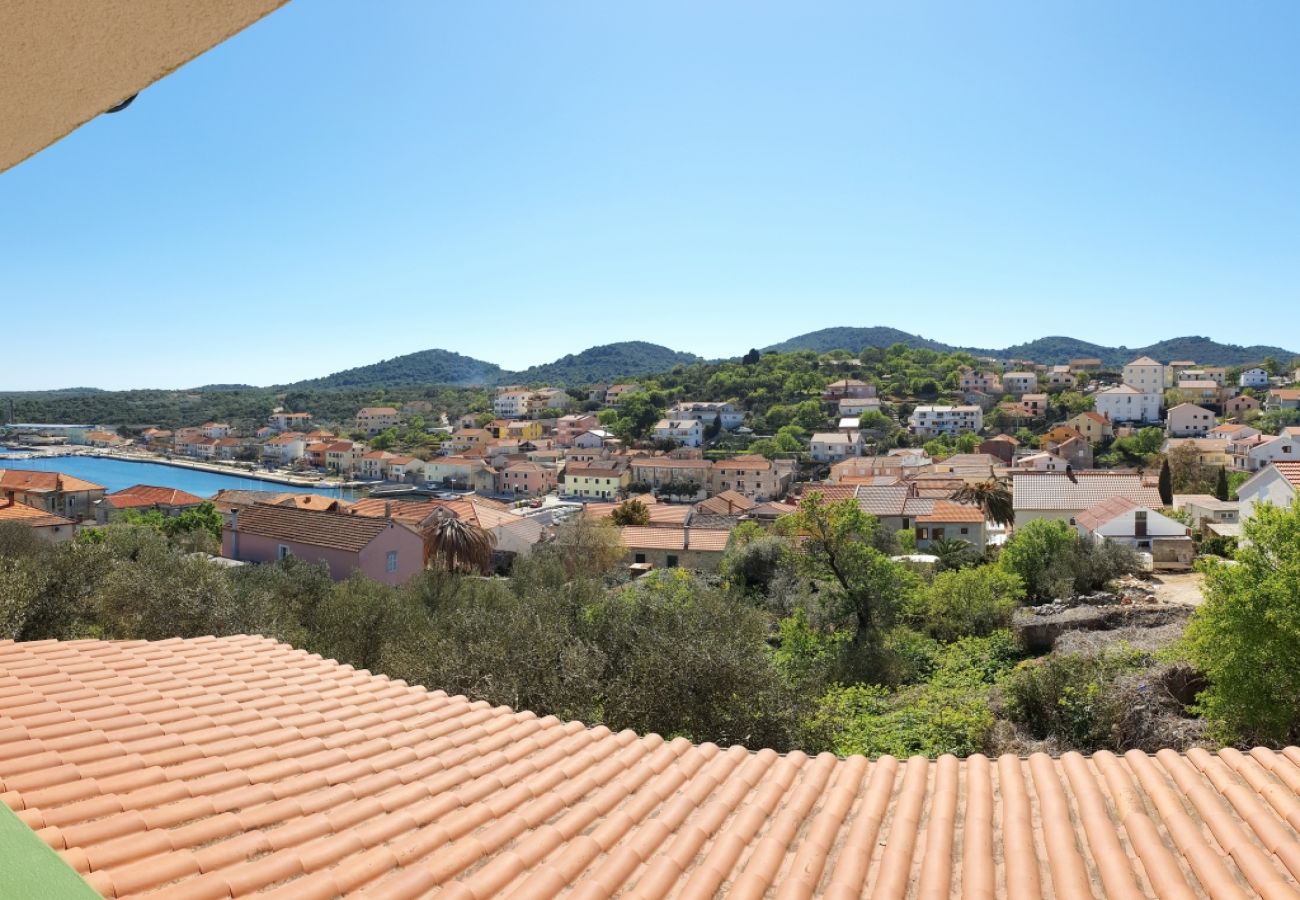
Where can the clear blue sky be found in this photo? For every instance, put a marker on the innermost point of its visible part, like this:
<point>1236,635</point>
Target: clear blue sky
<point>346,182</point>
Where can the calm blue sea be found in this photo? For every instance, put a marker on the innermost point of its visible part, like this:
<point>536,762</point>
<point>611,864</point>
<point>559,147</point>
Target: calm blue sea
<point>116,474</point>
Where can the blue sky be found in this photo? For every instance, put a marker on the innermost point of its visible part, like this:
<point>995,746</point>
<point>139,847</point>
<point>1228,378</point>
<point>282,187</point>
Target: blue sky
<point>347,182</point>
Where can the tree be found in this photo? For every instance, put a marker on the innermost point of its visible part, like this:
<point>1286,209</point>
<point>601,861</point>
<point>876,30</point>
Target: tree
<point>453,544</point>
<point>631,512</point>
<point>967,602</point>
<point>586,546</point>
<point>1221,484</point>
<point>954,553</point>
<point>1166,483</point>
<point>992,496</point>
<point>1038,554</point>
<point>751,358</point>
<point>1246,636</point>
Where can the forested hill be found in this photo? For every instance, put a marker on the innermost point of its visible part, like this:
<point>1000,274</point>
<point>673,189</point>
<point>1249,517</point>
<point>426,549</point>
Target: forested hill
<point>605,363</point>
<point>1056,349</point>
<point>424,367</point>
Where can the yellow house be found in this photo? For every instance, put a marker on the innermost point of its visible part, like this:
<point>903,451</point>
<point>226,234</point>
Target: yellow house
<point>523,431</point>
<point>600,479</point>
<point>1092,425</point>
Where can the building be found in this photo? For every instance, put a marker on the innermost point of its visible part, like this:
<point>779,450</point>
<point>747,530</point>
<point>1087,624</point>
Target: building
<point>1002,446</point>
<point>511,404</point>
<point>285,448</point>
<point>658,473</point>
<point>1034,405</point>
<point>728,416</point>
<point>1086,364</point>
<point>1063,496</point>
<point>833,446</point>
<point>986,382</point>
<point>1125,521</point>
<point>465,439</point>
<point>933,421</point>
<point>527,479</point>
<point>1146,375</point>
<point>470,473</point>
<point>343,457</point>
<point>1060,378</point>
<point>1253,378</point>
<point>1211,453</point>
<point>1236,406</point>
<point>687,432</point>
<point>569,427</point>
<point>1188,420</point>
<point>930,519</point>
<point>144,498</point>
<point>601,479</point>
<point>405,468</point>
<point>857,406</point>
<point>669,548</point>
<point>1043,462</point>
<point>1126,403</point>
<point>1232,431</point>
<point>215,429</point>
<point>374,419</point>
<point>752,476</point>
<point>352,772</point>
<point>1200,390</point>
<point>374,465</point>
<point>616,392</point>
<point>1276,483</point>
<point>51,492</point>
<point>595,439</point>
<point>1017,383</point>
<point>47,526</point>
<point>287,421</point>
<point>1203,509</point>
<point>1094,427</point>
<point>846,389</point>
<point>1284,398</point>
<point>1254,453</point>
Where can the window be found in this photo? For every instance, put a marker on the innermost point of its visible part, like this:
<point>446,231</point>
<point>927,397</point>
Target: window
<point>392,561</point>
<point>672,561</point>
<point>282,552</point>
<point>965,531</point>
<point>640,557</point>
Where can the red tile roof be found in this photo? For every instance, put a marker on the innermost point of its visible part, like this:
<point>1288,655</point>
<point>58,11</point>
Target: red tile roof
<point>43,482</point>
<point>226,767</point>
<point>1290,471</point>
<point>13,511</point>
<point>149,495</point>
<point>708,540</point>
<point>316,528</point>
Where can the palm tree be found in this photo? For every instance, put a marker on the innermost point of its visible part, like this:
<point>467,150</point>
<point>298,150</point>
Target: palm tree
<point>953,553</point>
<point>453,544</point>
<point>992,496</point>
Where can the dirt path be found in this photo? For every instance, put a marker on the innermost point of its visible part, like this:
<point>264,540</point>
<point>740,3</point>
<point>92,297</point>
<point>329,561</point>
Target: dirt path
<point>1178,587</point>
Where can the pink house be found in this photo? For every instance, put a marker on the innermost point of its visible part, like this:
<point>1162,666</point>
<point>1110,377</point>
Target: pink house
<point>383,549</point>
<point>569,427</point>
<point>527,479</point>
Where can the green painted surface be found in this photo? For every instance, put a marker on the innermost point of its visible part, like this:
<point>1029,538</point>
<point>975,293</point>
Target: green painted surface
<point>30,870</point>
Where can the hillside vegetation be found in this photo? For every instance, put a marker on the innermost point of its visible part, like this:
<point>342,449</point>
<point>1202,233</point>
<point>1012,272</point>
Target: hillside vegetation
<point>608,362</point>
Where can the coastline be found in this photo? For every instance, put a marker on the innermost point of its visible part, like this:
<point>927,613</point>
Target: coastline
<point>196,465</point>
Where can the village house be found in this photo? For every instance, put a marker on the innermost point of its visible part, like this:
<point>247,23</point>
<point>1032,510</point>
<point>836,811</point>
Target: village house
<point>1254,453</point>
<point>1017,383</point>
<point>468,439</point>
<point>1199,390</point>
<point>511,403</point>
<point>51,492</point>
<point>933,421</point>
<point>1253,378</point>
<point>374,419</point>
<point>752,476</point>
<point>1178,369</point>
<point>848,388</point>
<point>569,427</point>
<point>1276,483</point>
<point>1063,496</point>
<point>525,430</point>
<point>986,382</point>
<point>197,446</point>
<point>833,446</point>
<point>1232,431</point>
<point>687,432</point>
<point>1147,376</point>
<point>595,439</point>
<point>1211,453</point>
<point>155,437</point>
<point>616,392</point>
<point>227,448</point>
<point>1188,420</point>
<point>1094,427</point>
<point>144,498</point>
<point>460,472</point>
<point>1069,444</point>
<point>857,406</point>
<point>527,479</point>
<point>601,479</point>
<point>1086,364</point>
<point>1239,405</point>
<point>285,448</point>
<point>1034,405</point>
<point>382,549</point>
<point>48,527</point>
<point>343,457</point>
<point>374,465</point>
<point>1060,378</point>
<point>727,415</point>
<point>215,429</point>
<point>405,468</point>
<point>1123,520</point>
<point>1042,462</point>
<point>1284,398</point>
<point>1125,403</point>
<point>1205,510</point>
<point>669,548</point>
<point>929,519</point>
<point>417,408</point>
<point>315,454</point>
<point>103,439</point>
<point>659,472</point>
<point>287,421</point>
<point>1002,446</point>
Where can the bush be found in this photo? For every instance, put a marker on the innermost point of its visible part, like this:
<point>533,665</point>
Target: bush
<point>965,602</point>
<point>1073,698</point>
<point>1052,561</point>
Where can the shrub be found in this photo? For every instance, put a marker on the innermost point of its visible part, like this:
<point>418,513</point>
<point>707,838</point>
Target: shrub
<point>975,601</point>
<point>1051,560</point>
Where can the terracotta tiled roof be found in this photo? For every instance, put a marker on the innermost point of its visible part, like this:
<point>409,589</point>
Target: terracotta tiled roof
<point>947,511</point>
<point>29,515</point>
<point>226,767</point>
<point>709,540</point>
<point>312,501</point>
<point>1290,471</point>
<point>882,499</point>
<point>1099,514</point>
<point>312,527</point>
<point>1057,490</point>
<point>35,481</point>
<point>661,514</point>
<point>150,495</point>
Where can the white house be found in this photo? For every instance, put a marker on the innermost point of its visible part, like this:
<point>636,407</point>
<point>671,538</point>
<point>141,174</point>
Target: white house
<point>856,406</point>
<point>833,446</point>
<point>511,404</point>
<point>1276,484</point>
<point>1125,521</point>
<point>687,432</point>
<point>1188,420</point>
<point>932,421</point>
<point>726,413</point>
<point>1043,462</point>
<point>1063,496</point>
<point>1253,378</point>
<point>1255,453</point>
<point>1020,383</point>
<point>1126,403</point>
<point>592,440</point>
<point>1145,374</point>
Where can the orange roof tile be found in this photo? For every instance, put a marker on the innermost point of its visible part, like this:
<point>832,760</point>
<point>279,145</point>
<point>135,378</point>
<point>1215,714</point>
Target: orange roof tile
<point>34,481</point>
<point>709,540</point>
<point>13,511</point>
<point>150,495</point>
<point>217,767</point>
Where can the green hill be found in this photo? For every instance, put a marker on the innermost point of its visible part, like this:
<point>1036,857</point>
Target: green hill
<point>424,367</point>
<point>854,339</point>
<point>608,362</point>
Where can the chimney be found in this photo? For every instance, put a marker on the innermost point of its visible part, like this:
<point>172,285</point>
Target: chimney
<point>388,509</point>
<point>234,532</point>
